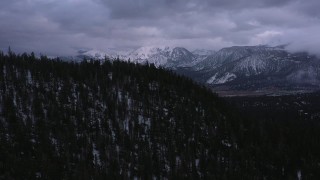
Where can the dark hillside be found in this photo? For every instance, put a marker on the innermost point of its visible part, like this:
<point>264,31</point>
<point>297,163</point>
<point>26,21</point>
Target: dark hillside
<point>118,120</point>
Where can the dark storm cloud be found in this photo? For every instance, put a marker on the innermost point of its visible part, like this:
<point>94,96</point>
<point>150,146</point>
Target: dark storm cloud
<point>159,8</point>
<point>64,26</point>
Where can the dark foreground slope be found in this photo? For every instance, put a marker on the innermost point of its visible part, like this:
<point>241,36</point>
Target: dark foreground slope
<point>116,120</point>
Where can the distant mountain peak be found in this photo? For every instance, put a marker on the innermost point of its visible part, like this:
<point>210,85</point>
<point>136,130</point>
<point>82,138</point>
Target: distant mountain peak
<point>203,52</point>
<point>166,56</point>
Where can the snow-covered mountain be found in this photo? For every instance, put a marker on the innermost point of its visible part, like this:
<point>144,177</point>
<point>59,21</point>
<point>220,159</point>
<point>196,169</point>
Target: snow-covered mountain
<point>257,67</point>
<point>100,55</point>
<point>169,57</point>
<point>250,58</point>
<point>156,55</point>
<point>237,67</point>
<point>163,56</point>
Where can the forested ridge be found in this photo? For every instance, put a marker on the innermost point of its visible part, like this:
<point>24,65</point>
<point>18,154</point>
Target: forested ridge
<point>119,120</point>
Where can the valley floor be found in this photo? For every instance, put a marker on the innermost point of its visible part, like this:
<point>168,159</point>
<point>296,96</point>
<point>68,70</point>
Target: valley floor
<point>225,91</point>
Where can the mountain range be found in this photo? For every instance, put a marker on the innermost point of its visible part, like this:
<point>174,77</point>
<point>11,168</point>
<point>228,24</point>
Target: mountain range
<point>169,57</point>
<point>259,69</point>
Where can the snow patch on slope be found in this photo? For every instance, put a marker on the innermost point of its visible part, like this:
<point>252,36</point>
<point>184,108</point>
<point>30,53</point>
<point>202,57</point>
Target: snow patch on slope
<point>227,77</point>
<point>212,79</point>
<point>251,65</point>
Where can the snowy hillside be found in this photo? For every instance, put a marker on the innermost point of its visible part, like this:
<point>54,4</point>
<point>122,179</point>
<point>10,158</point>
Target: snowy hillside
<point>259,62</point>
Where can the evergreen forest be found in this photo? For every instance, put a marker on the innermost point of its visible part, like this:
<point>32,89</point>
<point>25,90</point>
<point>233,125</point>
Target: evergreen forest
<point>119,120</point>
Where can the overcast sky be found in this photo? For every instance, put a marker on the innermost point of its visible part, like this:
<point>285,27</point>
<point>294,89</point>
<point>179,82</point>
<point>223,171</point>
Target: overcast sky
<point>61,27</point>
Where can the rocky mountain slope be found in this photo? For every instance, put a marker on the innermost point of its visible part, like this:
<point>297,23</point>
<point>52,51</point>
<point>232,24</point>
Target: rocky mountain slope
<point>257,68</point>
